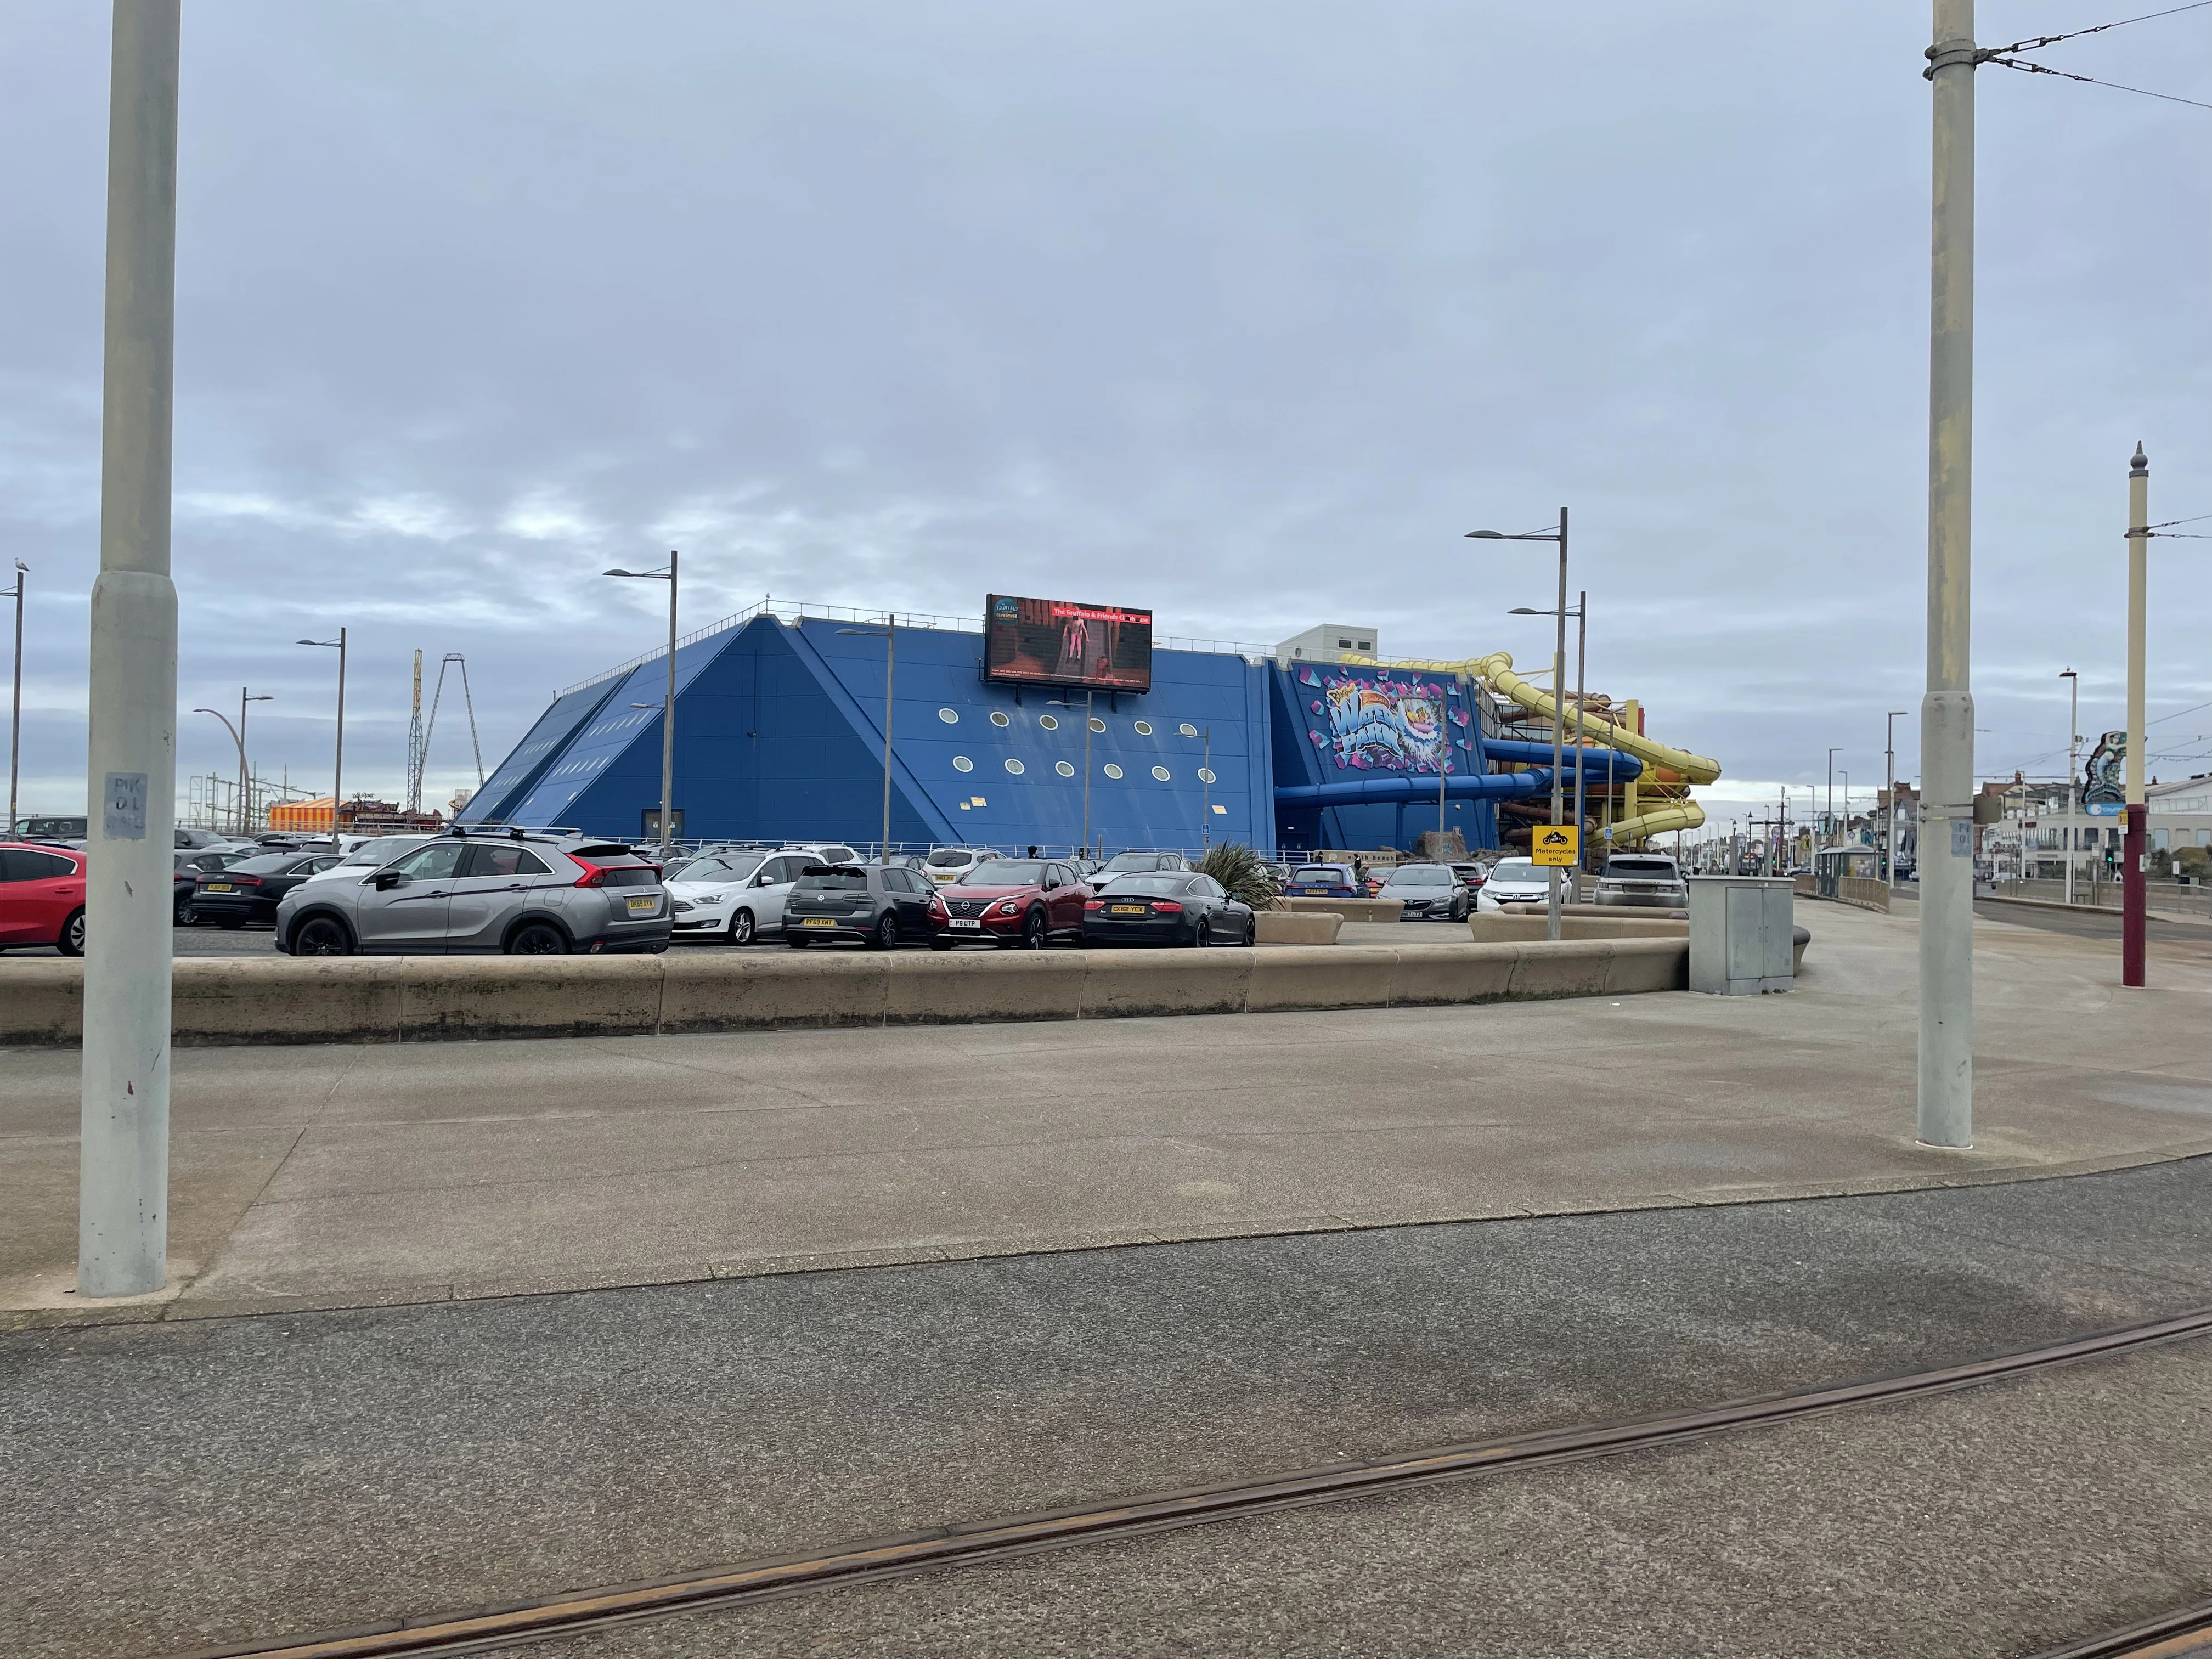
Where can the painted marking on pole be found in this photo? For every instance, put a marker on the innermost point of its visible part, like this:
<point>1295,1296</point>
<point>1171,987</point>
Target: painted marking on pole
<point>123,809</point>
<point>1559,844</point>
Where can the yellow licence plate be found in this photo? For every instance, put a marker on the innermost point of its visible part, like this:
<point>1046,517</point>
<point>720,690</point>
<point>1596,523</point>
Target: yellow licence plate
<point>644,903</point>
<point>818,921</point>
<point>220,887</point>
<point>1130,910</point>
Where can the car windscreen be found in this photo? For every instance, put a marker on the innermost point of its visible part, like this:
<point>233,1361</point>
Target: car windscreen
<point>1121,863</point>
<point>1642,869</point>
<point>1005,873</point>
<point>269,864</point>
<point>1518,869</point>
<point>717,872</point>
<point>833,881</point>
<point>950,858</point>
<point>1424,876</point>
<point>1165,885</point>
<point>1319,875</point>
<point>385,849</point>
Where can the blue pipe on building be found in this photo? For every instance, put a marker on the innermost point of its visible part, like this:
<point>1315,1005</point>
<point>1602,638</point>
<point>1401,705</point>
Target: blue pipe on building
<point>1381,792</point>
<point>1624,766</point>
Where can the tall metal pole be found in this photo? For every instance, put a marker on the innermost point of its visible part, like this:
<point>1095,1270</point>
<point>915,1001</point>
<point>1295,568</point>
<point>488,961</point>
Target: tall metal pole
<point>244,777</point>
<point>1581,727</point>
<point>338,757</point>
<point>1087,696</point>
<point>1889,789</point>
<point>1833,839</point>
<point>2134,850</point>
<point>1558,730</point>
<point>1946,711</point>
<point>16,705</point>
<point>2073,766</point>
<point>668,720</point>
<point>123,1181</point>
<point>891,668</point>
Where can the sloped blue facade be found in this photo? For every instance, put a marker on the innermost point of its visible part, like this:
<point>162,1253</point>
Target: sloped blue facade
<point>779,735</point>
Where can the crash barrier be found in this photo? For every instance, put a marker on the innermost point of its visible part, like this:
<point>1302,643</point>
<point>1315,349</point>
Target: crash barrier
<point>1281,927</point>
<point>1611,924</point>
<point>1352,910</point>
<point>218,1000</point>
<point>1864,893</point>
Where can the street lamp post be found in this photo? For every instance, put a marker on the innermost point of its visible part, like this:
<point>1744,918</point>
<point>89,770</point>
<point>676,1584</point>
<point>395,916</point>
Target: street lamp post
<point>1889,776</point>
<point>238,736</point>
<point>337,758</point>
<point>668,704</point>
<point>2135,839</point>
<point>2073,766</point>
<point>889,632</point>
<point>1558,714</point>
<point>1830,826</point>
<point>1205,800</point>
<point>16,704</point>
<point>1580,613</point>
<point>1089,726</point>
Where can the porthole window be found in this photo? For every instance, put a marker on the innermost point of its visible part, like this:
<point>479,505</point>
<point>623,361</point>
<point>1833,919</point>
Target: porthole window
<point>1161,772</point>
<point>1112,770</point>
<point>1015,766</point>
<point>1066,769</point>
<point>998,718</point>
<point>1097,725</point>
<point>1050,722</point>
<point>951,717</point>
<point>1206,775</point>
<point>1144,728</point>
<point>1188,729</point>
<point>961,763</point>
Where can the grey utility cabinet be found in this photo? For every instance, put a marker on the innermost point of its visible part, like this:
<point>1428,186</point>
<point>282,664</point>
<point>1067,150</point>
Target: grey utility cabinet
<point>1742,930</point>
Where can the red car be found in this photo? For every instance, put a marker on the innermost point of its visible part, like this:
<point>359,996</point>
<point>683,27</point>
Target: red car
<point>1014,902</point>
<point>42,897</point>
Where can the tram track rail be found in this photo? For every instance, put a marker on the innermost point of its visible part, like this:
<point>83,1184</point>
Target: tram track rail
<point>935,1549</point>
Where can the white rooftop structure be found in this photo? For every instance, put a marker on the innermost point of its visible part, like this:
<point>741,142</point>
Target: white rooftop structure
<point>1330,642</point>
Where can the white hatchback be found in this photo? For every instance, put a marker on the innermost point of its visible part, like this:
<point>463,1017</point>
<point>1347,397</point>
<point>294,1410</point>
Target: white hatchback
<point>947,864</point>
<point>733,898</point>
<point>1515,881</point>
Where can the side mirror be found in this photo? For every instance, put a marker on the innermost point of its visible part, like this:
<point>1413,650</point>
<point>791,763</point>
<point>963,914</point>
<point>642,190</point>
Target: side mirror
<point>387,879</point>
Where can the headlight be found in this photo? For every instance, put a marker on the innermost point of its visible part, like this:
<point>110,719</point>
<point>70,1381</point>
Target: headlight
<point>1005,907</point>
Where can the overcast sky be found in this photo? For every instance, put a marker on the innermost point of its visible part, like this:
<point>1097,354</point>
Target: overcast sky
<point>1242,312</point>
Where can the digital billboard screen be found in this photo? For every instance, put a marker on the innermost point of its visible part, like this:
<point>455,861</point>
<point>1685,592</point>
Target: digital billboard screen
<point>1104,647</point>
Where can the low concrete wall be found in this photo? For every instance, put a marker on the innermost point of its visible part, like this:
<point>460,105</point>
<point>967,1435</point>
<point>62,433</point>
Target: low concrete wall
<point>1281,927</point>
<point>1865,894</point>
<point>1645,912</point>
<point>1350,909</point>
<point>1613,924</point>
<point>220,1000</point>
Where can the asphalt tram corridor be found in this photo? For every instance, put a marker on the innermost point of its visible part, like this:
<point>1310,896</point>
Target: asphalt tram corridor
<point>182,1484</point>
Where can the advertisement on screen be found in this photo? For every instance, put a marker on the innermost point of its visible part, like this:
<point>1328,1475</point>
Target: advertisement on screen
<point>1104,647</point>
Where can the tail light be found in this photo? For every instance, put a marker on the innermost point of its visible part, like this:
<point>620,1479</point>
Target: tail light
<point>1167,907</point>
<point>595,875</point>
<point>1094,904</point>
<point>243,881</point>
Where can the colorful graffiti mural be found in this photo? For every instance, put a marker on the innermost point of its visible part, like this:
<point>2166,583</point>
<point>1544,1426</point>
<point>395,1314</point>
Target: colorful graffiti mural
<point>1381,722</point>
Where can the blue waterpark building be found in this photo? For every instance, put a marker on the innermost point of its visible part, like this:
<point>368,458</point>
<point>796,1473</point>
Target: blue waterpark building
<point>780,715</point>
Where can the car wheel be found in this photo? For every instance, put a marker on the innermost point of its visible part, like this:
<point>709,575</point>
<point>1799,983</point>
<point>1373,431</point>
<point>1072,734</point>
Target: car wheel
<point>322,936</point>
<point>1033,931</point>
<point>538,939</point>
<point>71,941</point>
<point>741,927</point>
<point>182,909</point>
<point>886,936</point>
<point>1251,932</point>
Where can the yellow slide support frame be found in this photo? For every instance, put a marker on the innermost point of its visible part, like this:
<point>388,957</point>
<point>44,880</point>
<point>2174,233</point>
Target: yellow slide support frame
<point>1496,671</point>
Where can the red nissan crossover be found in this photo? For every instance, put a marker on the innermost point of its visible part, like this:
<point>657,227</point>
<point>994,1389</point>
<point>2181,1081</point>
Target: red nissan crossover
<point>1014,902</point>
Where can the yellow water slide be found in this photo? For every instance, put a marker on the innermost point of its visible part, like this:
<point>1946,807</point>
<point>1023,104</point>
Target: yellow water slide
<point>1496,670</point>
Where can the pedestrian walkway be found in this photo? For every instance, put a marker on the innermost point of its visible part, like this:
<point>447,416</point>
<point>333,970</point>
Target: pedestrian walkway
<point>347,1175</point>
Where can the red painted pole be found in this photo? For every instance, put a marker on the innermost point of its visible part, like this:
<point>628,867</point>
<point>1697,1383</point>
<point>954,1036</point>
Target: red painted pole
<point>2133,857</point>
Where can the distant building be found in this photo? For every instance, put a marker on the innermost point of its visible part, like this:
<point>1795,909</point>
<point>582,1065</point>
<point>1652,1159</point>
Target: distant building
<point>1330,642</point>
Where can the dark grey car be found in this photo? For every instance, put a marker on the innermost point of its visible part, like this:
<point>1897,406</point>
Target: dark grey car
<point>882,905</point>
<point>523,893</point>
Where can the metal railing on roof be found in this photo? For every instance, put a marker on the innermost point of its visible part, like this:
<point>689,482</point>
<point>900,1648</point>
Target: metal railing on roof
<point>792,612</point>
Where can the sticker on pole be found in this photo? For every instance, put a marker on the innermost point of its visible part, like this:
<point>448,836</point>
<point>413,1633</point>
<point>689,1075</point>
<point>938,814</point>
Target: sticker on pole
<point>1556,844</point>
<point>123,808</point>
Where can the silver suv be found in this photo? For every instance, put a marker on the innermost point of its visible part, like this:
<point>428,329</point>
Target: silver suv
<point>1650,879</point>
<point>526,893</point>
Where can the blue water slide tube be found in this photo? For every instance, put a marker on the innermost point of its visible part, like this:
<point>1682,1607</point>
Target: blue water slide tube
<point>1624,766</point>
<point>1382,792</point>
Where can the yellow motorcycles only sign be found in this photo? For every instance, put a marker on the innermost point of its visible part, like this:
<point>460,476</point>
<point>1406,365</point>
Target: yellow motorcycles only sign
<point>1556,843</point>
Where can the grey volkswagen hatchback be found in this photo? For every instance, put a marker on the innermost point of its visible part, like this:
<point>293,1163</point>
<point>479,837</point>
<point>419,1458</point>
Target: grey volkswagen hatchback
<point>527,893</point>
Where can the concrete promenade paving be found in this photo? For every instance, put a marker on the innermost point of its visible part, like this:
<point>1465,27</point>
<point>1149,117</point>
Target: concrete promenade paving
<point>347,1176</point>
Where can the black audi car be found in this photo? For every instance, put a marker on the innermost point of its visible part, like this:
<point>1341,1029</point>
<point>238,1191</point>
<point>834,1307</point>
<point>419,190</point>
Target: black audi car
<point>1177,909</point>
<point>249,890</point>
<point>881,905</point>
